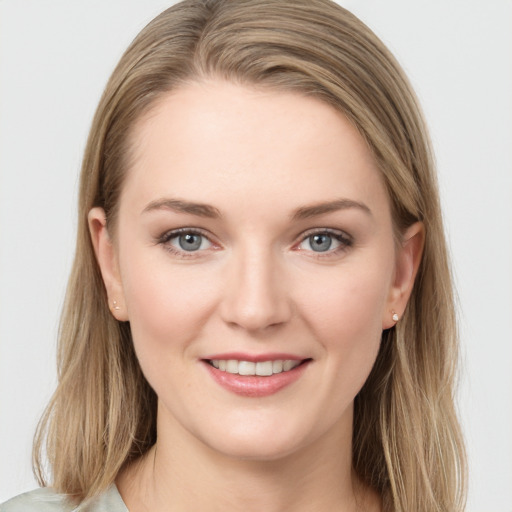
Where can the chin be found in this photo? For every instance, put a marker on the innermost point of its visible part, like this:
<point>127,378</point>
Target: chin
<point>266,442</point>
<point>256,450</point>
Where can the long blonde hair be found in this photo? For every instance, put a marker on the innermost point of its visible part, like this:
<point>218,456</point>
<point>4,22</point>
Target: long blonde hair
<point>407,442</point>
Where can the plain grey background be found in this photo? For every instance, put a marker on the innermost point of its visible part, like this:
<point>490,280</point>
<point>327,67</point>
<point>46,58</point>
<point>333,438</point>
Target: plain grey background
<point>55,58</point>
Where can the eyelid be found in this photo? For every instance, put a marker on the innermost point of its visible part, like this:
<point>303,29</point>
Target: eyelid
<point>171,233</point>
<point>330,231</point>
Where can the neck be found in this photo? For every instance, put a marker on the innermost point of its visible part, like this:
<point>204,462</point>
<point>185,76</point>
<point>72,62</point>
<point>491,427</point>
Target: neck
<point>189,475</point>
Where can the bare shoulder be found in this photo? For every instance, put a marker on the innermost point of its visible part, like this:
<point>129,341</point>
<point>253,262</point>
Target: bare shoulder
<point>39,500</point>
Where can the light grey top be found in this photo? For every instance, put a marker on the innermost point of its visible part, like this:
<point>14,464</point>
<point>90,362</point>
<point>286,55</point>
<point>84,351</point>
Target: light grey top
<point>46,500</point>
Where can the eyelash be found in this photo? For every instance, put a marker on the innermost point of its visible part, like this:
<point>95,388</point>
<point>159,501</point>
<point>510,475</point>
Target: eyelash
<point>345,241</point>
<point>166,237</point>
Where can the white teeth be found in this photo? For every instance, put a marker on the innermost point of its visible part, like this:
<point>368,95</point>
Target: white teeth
<point>277,366</point>
<point>288,365</point>
<point>246,368</point>
<point>262,368</point>
<point>232,366</point>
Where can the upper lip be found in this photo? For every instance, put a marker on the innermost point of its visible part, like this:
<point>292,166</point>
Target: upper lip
<point>255,358</point>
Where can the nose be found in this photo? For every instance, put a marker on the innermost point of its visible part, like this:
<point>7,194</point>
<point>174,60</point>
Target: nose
<point>255,296</point>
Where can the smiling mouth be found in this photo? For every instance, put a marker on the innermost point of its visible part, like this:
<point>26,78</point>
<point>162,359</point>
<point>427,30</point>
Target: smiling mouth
<point>260,368</point>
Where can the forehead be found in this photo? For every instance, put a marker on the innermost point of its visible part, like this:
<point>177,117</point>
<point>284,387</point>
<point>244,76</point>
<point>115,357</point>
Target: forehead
<point>218,140</point>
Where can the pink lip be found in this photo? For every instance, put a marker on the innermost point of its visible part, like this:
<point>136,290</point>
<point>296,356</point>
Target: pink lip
<point>254,385</point>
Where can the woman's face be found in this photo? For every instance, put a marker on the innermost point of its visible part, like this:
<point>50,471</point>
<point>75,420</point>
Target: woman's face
<point>253,228</point>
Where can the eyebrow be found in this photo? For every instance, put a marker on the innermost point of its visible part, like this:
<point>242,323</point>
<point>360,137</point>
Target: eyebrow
<point>208,211</point>
<point>315,210</point>
<point>180,206</point>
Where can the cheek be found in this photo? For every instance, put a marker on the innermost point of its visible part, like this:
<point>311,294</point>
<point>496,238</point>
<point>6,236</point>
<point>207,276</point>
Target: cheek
<point>345,310</point>
<point>166,304</point>
<point>348,301</point>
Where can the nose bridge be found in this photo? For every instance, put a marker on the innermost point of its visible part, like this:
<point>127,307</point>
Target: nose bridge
<point>255,297</point>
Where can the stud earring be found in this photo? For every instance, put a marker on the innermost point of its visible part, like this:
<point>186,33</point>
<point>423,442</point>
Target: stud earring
<point>395,317</point>
<point>115,306</point>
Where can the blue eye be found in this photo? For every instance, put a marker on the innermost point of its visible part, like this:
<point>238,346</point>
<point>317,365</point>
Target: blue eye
<point>321,242</point>
<point>185,241</point>
<point>190,241</point>
<point>326,242</point>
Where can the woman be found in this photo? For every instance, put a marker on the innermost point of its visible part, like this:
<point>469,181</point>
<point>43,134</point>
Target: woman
<point>260,312</point>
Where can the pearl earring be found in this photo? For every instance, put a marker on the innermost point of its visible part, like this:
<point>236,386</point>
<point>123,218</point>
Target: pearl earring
<point>395,317</point>
<point>115,306</point>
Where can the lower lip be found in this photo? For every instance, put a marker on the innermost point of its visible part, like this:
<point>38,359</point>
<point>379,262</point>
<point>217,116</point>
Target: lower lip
<point>254,385</point>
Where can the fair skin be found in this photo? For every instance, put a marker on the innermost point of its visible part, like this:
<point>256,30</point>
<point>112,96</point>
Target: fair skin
<point>286,252</point>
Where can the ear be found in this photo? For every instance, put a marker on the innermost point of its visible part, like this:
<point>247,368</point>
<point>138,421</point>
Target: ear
<point>408,260</point>
<point>107,261</point>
